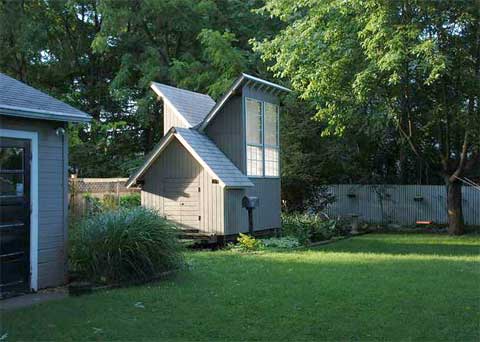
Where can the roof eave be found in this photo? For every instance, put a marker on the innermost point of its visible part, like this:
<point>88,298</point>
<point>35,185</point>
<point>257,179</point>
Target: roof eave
<point>149,159</point>
<point>233,187</point>
<point>42,115</point>
<point>238,82</point>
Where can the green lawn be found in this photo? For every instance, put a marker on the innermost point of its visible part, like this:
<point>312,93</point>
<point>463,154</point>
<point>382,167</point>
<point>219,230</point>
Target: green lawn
<point>373,287</point>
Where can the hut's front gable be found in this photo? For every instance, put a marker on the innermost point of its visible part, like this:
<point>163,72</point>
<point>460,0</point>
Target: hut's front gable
<point>180,189</point>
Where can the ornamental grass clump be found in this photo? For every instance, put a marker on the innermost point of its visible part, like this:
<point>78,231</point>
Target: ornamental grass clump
<point>125,245</point>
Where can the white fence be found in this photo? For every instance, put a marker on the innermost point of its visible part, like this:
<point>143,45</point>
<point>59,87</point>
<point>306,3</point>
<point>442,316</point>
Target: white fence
<point>401,204</point>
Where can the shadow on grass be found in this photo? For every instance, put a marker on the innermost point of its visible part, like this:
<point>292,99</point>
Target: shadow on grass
<point>403,249</point>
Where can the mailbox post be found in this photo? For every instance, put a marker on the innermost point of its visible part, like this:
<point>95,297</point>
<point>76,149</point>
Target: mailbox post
<point>250,203</point>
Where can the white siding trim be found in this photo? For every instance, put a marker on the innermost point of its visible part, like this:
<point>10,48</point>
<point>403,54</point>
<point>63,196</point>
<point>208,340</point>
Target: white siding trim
<point>151,159</point>
<point>166,100</point>
<point>33,137</point>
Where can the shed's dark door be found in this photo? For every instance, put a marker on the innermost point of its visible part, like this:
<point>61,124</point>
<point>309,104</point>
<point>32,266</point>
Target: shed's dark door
<point>14,216</point>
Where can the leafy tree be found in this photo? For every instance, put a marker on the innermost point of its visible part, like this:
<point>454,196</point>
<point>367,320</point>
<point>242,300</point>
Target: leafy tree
<point>413,63</point>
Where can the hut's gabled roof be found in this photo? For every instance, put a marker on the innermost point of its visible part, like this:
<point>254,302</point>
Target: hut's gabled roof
<point>240,82</point>
<point>192,107</point>
<point>204,151</point>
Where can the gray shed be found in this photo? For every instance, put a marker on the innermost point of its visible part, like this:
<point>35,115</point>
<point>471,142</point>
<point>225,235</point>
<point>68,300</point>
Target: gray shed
<point>212,155</point>
<point>33,187</point>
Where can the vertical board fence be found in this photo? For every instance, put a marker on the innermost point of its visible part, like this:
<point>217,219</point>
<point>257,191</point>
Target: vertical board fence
<point>80,188</point>
<point>401,204</point>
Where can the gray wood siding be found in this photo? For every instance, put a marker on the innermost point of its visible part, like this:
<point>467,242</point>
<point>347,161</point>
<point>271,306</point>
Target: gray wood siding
<point>171,119</point>
<point>52,197</point>
<point>255,93</point>
<point>236,217</point>
<point>266,216</point>
<point>175,162</point>
<point>267,190</point>
<point>227,131</point>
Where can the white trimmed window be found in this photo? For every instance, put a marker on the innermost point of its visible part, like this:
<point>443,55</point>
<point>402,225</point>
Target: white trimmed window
<point>254,137</point>
<point>262,138</point>
<point>271,141</point>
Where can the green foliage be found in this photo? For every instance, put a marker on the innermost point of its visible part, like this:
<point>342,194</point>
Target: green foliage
<point>226,62</point>
<point>109,202</point>
<point>284,242</point>
<point>248,243</point>
<point>411,65</point>
<point>310,227</point>
<point>130,200</point>
<point>124,245</point>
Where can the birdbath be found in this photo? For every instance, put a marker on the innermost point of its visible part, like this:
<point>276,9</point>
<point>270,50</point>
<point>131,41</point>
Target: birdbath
<point>354,225</point>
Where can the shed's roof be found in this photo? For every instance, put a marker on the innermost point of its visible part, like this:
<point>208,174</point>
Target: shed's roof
<point>191,106</point>
<point>19,99</point>
<point>244,79</point>
<point>204,151</point>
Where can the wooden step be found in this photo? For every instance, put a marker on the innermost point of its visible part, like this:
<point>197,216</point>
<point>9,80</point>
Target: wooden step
<point>199,236</point>
<point>188,230</point>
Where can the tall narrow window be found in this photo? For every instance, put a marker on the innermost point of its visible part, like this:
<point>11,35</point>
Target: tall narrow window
<point>271,141</point>
<point>254,137</point>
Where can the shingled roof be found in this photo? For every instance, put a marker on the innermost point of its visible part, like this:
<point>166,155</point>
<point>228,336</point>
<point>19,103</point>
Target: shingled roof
<point>204,151</point>
<point>191,106</point>
<point>19,99</point>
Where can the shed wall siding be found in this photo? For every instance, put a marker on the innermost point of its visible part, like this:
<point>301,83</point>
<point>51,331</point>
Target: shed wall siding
<point>52,197</point>
<point>171,119</point>
<point>266,216</point>
<point>256,93</point>
<point>227,131</point>
<point>268,192</point>
<point>176,162</point>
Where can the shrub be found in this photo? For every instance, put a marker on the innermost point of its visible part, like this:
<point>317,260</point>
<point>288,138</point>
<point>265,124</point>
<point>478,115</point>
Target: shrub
<point>130,201</point>
<point>248,243</point>
<point>310,227</point>
<point>110,202</point>
<point>124,245</point>
<point>281,242</point>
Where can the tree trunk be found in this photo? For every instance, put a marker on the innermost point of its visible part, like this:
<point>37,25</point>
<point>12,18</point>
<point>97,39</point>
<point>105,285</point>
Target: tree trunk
<point>454,208</point>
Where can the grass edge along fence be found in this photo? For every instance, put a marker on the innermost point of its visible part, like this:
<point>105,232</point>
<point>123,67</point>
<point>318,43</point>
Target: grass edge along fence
<point>400,204</point>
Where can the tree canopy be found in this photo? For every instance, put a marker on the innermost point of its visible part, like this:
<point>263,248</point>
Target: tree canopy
<point>413,64</point>
<point>385,91</point>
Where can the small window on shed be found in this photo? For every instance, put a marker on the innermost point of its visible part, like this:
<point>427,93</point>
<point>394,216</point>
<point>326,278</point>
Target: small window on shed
<point>254,137</point>
<point>254,122</point>
<point>271,140</point>
<point>271,124</point>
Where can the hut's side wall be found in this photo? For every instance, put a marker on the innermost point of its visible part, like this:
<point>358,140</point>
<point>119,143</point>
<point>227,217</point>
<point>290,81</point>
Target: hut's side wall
<point>52,197</point>
<point>266,216</point>
<point>171,119</point>
<point>175,162</point>
<point>227,131</point>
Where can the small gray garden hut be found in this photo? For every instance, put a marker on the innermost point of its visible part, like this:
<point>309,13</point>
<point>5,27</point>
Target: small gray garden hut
<point>212,155</point>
